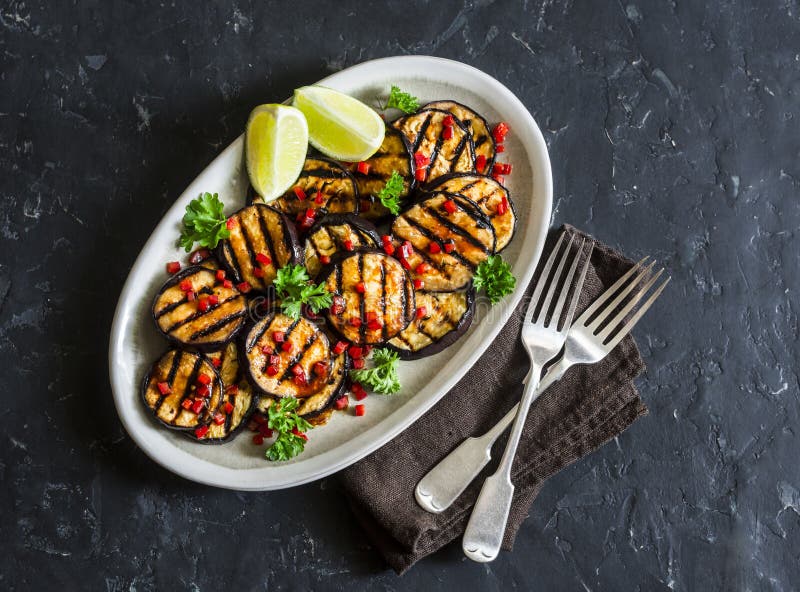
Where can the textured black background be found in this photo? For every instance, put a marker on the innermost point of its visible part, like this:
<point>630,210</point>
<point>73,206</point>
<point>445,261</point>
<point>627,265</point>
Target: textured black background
<point>673,132</point>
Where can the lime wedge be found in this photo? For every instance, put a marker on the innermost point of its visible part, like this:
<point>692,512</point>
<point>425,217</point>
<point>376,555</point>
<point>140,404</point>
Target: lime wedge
<point>275,145</point>
<point>339,126</point>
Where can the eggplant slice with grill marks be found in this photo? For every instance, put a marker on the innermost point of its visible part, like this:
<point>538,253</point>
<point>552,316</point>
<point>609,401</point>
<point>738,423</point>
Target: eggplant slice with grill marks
<point>335,233</point>
<point>262,240</point>
<point>237,396</point>
<point>447,316</point>
<point>197,322</point>
<point>285,357</point>
<point>180,376</point>
<point>477,126</point>
<point>393,155</point>
<point>427,133</point>
<point>324,185</point>
<point>317,403</point>
<point>447,245</point>
<point>373,296</point>
<point>490,196</point>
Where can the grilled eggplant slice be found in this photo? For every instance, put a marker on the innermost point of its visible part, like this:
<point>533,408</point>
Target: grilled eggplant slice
<point>450,237</point>
<point>323,185</point>
<point>393,155</point>
<point>334,233</point>
<point>185,321</point>
<point>447,316</point>
<point>237,396</point>
<point>490,196</point>
<point>373,296</point>
<point>286,357</point>
<point>477,126</point>
<point>262,240</point>
<point>427,133</point>
<point>180,376</point>
<point>317,403</point>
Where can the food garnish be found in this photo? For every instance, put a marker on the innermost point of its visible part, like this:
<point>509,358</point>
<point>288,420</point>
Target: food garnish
<point>293,288</point>
<point>391,192</point>
<point>382,377</point>
<point>495,277</point>
<point>406,102</point>
<point>204,222</point>
<point>290,428</point>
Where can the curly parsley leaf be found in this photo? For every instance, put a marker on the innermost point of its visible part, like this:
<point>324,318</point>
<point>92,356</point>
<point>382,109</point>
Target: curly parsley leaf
<point>495,277</point>
<point>281,417</point>
<point>204,222</point>
<point>382,377</point>
<point>293,288</point>
<point>406,102</point>
<point>390,194</point>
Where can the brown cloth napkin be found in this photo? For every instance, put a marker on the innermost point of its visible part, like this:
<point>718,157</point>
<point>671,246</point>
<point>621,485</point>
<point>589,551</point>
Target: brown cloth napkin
<point>587,407</point>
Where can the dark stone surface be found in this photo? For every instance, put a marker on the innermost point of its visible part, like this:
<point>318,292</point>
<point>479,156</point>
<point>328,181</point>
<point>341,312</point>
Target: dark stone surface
<point>673,132</point>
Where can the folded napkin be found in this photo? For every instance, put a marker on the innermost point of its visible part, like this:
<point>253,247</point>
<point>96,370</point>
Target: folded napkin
<point>587,407</point>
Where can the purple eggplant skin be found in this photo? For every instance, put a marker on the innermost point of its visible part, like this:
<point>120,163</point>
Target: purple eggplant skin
<point>146,380</point>
<point>440,105</point>
<point>464,323</point>
<point>431,188</point>
<point>293,246</point>
<point>174,280</point>
<point>361,224</point>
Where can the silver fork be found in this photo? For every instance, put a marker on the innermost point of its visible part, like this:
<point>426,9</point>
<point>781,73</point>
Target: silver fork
<point>543,336</point>
<point>442,485</point>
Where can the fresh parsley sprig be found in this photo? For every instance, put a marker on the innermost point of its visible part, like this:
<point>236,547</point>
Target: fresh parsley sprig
<point>204,222</point>
<point>406,102</point>
<point>293,288</point>
<point>281,418</point>
<point>495,277</point>
<point>382,377</point>
<point>390,194</point>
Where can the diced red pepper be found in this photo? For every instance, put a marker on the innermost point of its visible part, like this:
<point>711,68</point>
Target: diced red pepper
<point>202,391</point>
<point>260,418</point>
<point>337,306</point>
<point>447,132</point>
<point>354,322</point>
<point>499,132</point>
<point>501,168</point>
<point>358,391</point>
<point>173,267</point>
<point>263,259</point>
<point>199,255</point>
<point>219,418</point>
<point>480,163</point>
<point>267,350</point>
<point>388,249</point>
<point>421,160</point>
<point>311,213</point>
<point>300,380</point>
<point>227,284</point>
<point>418,284</point>
<point>202,304</point>
<point>297,370</point>
<point>500,179</point>
<point>406,249</point>
<point>339,347</point>
<point>186,285</point>
<point>405,263</point>
<point>278,336</point>
<point>363,168</point>
<point>220,275</point>
<point>213,300</point>
<point>204,379</point>
<point>422,312</point>
<point>448,121</point>
<point>299,193</point>
<point>244,287</point>
<point>319,199</point>
<point>386,239</point>
<point>450,206</point>
<point>500,148</point>
<point>449,246</point>
<point>201,432</point>
<point>371,316</point>
<point>232,389</point>
<point>347,244</point>
<point>299,434</point>
<point>231,223</point>
<point>358,364</point>
<point>434,248</point>
<point>324,259</point>
<point>360,410</point>
<point>341,403</point>
<point>502,207</point>
<point>421,268</point>
<point>320,368</point>
<point>271,370</point>
<point>374,325</point>
<point>228,407</point>
<point>286,346</point>
<point>216,362</point>
<point>197,406</point>
<point>355,351</point>
<point>265,431</point>
<point>361,287</point>
<point>190,296</point>
<point>420,174</point>
<point>258,439</point>
<point>164,388</point>
<point>186,404</point>
<point>274,359</point>
<point>258,272</point>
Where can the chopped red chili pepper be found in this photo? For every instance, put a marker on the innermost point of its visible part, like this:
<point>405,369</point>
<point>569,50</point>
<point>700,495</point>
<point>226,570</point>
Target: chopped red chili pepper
<point>197,406</point>
<point>447,132</point>
<point>274,359</point>
<point>263,259</point>
<point>420,174</point>
<point>360,410</point>
<point>202,304</point>
<point>363,168</point>
<point>216,362</point>
<point>448,121</point>
<point>202,391</point>
<point>434,248</point>
<point>278,336</point>
<point>501,209</point>
<point>299,193</point>
<point>371,316</point>
<point>201,432</point>
<point>361,287</point>
<point>405,264</point>
<point>186,404</point>
<point>190,296</point>
<point>421,160</point>
<point>300,380</point>
<point>227,284</point>
<point>299,434</point>
<point>267,350</point>
<point>421,268</point>
<point>339,347</point>
<point>297,370</point>
<point>204,379</point>
<point>173,267</point>
<point>220,275</point>
<point>355,322</point>
<point>500,148</point>
<point>324,259</point>
<point>319,199</point>
<point>213,300</point>
<point>186,285</point>
<point>244,287</point>
<point>358,364</point>
<point>342,403</point>
<point>258,272</point>
<point>164,388</point>
<point>258,439</point>
<point>219,418</point>
<point>271,370</point>
<point>480,163</point>
<point>422,312</point>
<point>449,246</point>
<point>418,284</point>
<point>231,223</point>
<point>388,249</point>
<point>348,245</point>
<point>228,407</point>
<point>320,368</point>
<point>337,306</point>
<point>374,325</point>
<point>311,213</point>
<point>499,132</point>
<point>265,431</point>
<point>286,346</point>
<point>260,418</point>
<point>386,239</point>
<point>355,351</point>
<point>499,178</point>
<point>450,206</point>
<point>406,249</point>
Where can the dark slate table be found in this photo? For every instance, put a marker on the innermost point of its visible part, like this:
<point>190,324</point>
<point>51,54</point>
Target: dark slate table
<point>673,131</point>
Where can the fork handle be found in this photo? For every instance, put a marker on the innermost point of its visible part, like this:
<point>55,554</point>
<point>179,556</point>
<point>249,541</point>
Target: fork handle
<point>445,482</point>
